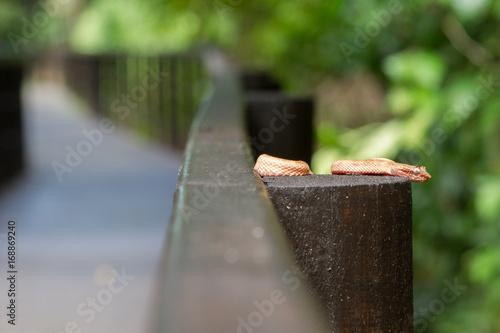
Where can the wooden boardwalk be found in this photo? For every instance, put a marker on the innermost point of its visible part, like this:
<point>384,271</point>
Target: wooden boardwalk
<point>88,247</point>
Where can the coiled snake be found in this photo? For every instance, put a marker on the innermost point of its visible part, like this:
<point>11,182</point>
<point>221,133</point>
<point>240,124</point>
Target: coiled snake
<point>267,165</point>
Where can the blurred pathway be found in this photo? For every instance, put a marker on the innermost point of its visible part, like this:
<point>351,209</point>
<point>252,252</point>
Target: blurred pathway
<point>87,247</point>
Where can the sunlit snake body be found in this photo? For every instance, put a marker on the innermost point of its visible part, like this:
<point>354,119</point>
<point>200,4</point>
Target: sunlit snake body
<point>268,166</point>
<point>272,166</point>
<point>380,166</point>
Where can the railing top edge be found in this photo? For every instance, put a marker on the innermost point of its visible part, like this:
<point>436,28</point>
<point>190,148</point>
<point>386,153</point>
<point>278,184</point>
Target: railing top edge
<point>225,242</point>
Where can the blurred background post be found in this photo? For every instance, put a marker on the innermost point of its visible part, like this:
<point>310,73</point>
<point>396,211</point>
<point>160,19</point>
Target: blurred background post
<point>414,81</point>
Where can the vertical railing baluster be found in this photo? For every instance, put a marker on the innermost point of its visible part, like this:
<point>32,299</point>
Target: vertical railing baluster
<point>174,101</point>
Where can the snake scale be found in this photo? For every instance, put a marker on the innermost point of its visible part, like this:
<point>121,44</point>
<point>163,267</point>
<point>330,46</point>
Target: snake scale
<point>267,166</point>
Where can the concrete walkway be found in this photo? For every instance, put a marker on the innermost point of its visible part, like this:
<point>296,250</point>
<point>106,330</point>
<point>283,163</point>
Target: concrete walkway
<point>88,246</point>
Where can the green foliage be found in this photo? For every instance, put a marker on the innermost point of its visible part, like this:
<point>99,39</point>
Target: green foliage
<point>423,69</point>
<point>437,64</point>
<point>442,101</point>
<point>117,26</point>
<point>29,27</point>
<point>9,21</point>
<point>9,12</point>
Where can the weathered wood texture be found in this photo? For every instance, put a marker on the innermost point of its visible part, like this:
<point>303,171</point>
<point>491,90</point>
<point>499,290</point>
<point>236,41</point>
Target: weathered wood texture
<point>227,266</point>
<point>352,236</point>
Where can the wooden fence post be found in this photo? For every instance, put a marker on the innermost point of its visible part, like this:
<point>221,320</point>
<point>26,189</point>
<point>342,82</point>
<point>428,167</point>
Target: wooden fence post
<point>258,81</point>
<point>226,257</point>
<point>11,143</point>
<point>352,236</point>
<point>279,125</point>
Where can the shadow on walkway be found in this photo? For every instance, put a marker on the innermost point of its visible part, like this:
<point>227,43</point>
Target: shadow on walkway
<point>88,246</point>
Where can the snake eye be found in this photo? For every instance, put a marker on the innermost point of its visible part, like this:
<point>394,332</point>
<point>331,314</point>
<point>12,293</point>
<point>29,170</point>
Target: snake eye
<point>416,171</point>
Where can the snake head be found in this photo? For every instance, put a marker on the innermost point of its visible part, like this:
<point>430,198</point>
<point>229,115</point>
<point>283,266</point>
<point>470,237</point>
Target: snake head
<point>415,173</point>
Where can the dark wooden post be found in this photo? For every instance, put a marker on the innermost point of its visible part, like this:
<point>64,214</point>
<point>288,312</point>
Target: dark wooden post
<point>108,92</point>
<point>352,236</point>
<point>82,76</point>
<point>174,102</point>
<point>163,100</point>
<point>226,257</point>
<point>279,125</point>
<point>258,80</point>
<point>11,145</point>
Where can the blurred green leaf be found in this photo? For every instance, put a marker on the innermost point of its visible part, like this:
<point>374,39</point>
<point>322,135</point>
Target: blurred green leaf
<point>437,111</point>
<point>469,9</point>
<point>323,158</point>
<point>400,100</point>
<point>416,67</point>
<point>484,264</point>
<point>487,200</point>
<point>327,134</point>
<point>490,115</point>
<point>106,26</point>
<point>384,140</point>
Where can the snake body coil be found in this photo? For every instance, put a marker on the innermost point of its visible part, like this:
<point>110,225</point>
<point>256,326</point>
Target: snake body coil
<point>269,166</point>
<point>273,166</point>
<point>380,166</point>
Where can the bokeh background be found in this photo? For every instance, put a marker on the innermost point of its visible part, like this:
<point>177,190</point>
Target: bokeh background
<point>414,81</point>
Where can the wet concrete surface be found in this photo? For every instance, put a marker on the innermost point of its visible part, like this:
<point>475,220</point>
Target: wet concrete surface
<point>88,243</point>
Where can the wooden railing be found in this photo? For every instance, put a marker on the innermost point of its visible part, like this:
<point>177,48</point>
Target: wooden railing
<point>156,96</point>
<point>227,264</point>
<point>318,253</point>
